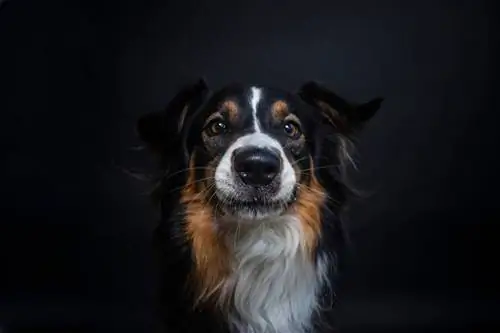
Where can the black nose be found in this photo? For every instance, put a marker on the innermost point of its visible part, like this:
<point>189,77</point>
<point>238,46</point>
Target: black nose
<point>256,166</point>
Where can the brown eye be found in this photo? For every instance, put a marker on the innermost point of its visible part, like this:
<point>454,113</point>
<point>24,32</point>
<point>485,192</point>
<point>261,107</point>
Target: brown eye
<point>292,130</point>
<point>216,127</point>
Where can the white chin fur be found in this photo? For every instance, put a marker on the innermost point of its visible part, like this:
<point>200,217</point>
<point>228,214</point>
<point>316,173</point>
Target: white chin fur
<point>249,215</point>
<point>225,187</point>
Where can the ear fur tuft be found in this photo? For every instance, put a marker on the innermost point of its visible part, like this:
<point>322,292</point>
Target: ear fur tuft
<point>343,115</point>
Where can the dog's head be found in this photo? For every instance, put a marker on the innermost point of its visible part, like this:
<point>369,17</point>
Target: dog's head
<point>249,151</point>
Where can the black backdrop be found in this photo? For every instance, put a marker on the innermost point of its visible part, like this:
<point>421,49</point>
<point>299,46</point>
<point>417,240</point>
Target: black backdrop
<point>75,75</point>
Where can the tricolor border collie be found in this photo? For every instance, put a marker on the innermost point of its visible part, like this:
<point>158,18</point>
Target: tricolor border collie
<point>253,180</point>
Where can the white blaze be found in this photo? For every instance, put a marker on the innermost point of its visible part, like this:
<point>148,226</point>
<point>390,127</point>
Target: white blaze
<point>254,101</point>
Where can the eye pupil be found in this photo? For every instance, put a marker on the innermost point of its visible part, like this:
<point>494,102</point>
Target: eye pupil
<point>219,127</point>
<point>291,129</point>
<point>216,127</point>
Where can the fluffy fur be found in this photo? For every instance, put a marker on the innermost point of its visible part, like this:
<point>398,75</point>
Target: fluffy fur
<point>251,190</point>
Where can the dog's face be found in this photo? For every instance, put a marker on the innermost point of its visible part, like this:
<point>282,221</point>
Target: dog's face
<point>249,149</point>
<point>252,145</point>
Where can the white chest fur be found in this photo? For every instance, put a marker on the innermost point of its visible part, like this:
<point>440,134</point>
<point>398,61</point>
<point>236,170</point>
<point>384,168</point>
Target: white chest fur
<point>274,283</point>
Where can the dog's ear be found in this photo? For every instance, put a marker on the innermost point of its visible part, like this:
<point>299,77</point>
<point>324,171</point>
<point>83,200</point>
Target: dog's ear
<point>161,129</point>
<point>338,112</point>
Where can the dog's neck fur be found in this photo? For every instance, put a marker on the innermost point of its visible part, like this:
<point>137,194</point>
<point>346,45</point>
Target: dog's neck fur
<point>274,280</point>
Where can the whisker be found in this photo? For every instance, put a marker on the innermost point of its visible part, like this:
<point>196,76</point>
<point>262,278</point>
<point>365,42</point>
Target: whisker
<point>191,183</point>
<point>299,160</point>
<point>321,167</point>
<point>186,169</point>
<point>202,193</point>
<point>213,194</point>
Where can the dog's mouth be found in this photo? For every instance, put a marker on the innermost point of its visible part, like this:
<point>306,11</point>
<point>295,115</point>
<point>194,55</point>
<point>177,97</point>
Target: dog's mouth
<point>255,207</point>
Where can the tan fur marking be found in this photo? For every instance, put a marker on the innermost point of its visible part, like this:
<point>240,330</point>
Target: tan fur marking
<point>232,109</point>
<point>310,198</point>
<point>209,253</point>
<point>279,110</point>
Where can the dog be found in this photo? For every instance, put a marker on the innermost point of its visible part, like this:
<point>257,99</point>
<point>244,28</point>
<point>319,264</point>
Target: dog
<point>252,185</point>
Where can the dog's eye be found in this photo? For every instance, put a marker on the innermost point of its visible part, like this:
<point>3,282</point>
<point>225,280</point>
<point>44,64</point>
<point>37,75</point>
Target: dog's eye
<point>216,127</point>
<point>292,130</point>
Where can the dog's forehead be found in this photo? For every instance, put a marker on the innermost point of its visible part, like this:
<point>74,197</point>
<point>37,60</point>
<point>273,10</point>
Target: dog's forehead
<point>252,98</point>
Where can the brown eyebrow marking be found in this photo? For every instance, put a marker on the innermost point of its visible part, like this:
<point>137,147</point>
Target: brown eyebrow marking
<point>279,110</point>
<point>232,109</point>
<point>229,107</point>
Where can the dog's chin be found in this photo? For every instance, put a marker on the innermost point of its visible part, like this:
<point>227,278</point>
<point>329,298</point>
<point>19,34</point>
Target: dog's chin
<point>251,211</point>
<point>255,209</point>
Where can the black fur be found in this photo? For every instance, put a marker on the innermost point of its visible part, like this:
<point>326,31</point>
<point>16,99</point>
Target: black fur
<point>324,127</point>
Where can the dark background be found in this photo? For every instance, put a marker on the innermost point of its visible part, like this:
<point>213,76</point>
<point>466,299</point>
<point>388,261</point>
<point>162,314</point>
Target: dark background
<point>75,75</point>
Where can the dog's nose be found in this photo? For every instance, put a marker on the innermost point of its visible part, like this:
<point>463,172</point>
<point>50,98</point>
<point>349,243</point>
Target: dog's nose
<point>256,166</point>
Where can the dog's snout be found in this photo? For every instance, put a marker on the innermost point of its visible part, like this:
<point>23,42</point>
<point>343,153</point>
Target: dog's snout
<point>256,166</point>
